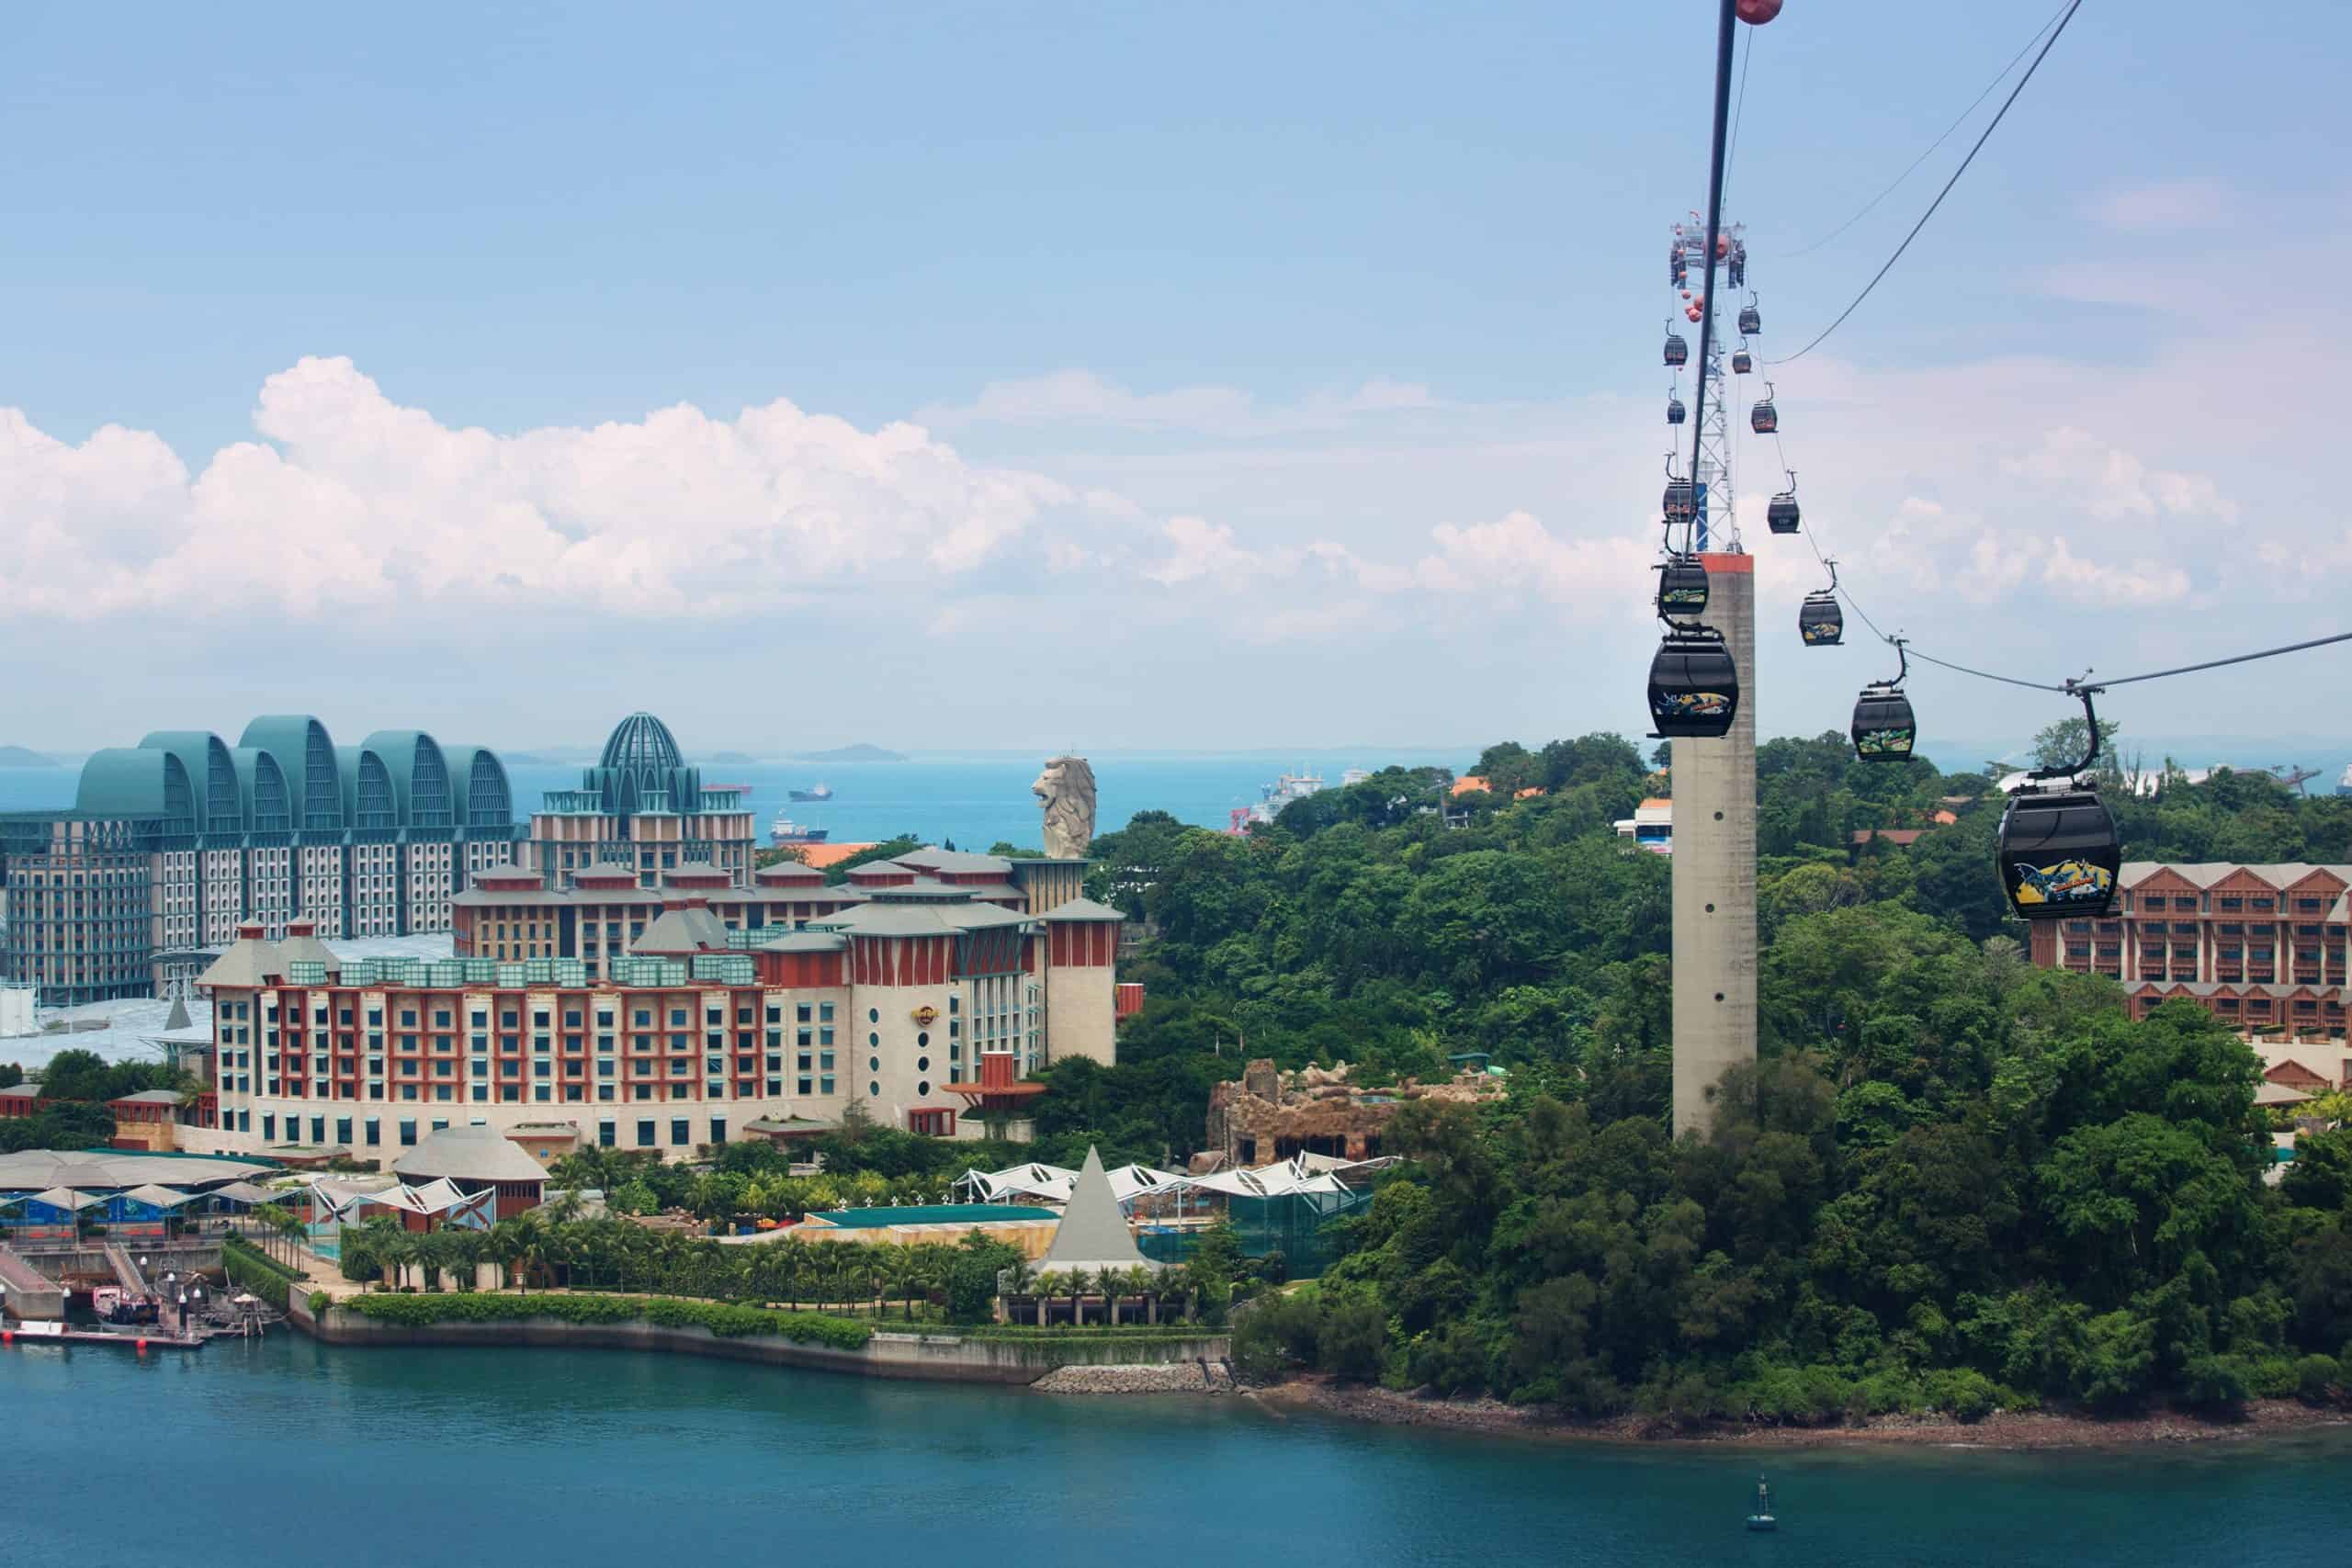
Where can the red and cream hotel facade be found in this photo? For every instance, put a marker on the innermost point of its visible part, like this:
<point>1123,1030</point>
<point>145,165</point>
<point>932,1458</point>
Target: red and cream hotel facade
<point>888,993</point>
<point>2253,945</point>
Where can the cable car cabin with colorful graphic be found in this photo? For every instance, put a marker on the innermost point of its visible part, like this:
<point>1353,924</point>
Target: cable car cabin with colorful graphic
<point>1883,726</point>
<point>1681,586</point>
<point>1821,621</point>
<point>1782,515</point>
<point>1694,688</point>
<point>1674,411</point>
<point>2059,854</point>
<point>1676,351</point>
<point>1742,362</point>
<point>1764,419</point>
<point>1681,502</point>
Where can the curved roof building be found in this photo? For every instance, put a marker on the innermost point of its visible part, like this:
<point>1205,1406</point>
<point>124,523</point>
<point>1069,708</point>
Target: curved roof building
<point>645,808</point>
<point>195,835</point>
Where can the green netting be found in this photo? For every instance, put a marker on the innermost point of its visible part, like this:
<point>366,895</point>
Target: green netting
<point>1292,1225</point>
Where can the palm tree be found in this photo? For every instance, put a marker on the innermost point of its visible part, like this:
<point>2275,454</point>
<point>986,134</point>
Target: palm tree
<point>1140,1282</point>
<point>1081,1280</point>
<point>503,1244</point>
<point>1048,1285</point>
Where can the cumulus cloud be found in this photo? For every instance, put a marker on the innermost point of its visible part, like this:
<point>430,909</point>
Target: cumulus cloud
<point>354,500</point>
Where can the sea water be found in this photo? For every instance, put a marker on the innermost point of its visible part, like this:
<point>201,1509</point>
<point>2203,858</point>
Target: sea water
<point>287,1451</point>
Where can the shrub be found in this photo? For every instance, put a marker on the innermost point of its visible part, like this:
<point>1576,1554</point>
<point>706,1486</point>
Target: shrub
<point>2316,1378</point>
<point>1276,1335</point>
<point>2216,1383</point>
<point>320,1300</point>
<point>1353,1336</point>
<point>249,1269</point>
<point>1963,1393</point>
<point>722,1318</point>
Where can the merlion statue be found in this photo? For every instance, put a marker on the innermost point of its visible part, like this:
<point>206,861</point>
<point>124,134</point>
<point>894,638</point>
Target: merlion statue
<point>1066,789</point>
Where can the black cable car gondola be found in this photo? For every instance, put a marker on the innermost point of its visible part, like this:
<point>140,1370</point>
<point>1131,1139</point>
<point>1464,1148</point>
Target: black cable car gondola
<point>1676,351</point>
<point>1781,513</point>
<point>1681,502</point>
<point>1681,586</point>
<point>1742,362</point>
<point>1750,322</point>
<point>2059,852</point>
<point>1884,728</point>
<point>1694,690</point>
<point>1821,620</point>
<point>1764,419</point>
<point>1674,411</point>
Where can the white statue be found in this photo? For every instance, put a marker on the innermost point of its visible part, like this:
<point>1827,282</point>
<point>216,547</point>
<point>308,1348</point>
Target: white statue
<point>1066,789</point>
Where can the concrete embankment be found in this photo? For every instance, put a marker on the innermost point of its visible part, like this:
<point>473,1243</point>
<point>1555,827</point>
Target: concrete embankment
<point>944,1357</point>
<point>1201,1377</point>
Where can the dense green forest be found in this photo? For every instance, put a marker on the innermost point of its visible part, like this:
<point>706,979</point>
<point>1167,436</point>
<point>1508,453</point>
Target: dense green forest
<point>1953,1181</point>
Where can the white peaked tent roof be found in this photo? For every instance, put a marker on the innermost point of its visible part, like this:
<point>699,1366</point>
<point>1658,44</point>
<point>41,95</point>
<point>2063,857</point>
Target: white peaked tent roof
<point>1093,1234</point>
<point>66,1198</point>
<point>159,1197</point>
<point>1054,1183</point>
<point>1300,1173</point>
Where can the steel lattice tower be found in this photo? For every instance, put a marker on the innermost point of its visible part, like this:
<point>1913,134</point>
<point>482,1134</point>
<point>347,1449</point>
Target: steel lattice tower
<point>1716,497</point>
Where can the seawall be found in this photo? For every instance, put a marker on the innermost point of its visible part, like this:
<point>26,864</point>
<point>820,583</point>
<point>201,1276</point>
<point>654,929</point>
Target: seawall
<point>941,1357</point>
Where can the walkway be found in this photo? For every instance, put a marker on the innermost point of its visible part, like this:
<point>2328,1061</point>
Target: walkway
<point>31,1293</point>
<point>126,1272</point>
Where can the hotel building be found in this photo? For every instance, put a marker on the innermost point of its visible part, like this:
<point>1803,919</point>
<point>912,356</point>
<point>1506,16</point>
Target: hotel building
<point>712,1014</point>
<point>641,810</point>
<point>2254,945</point>
<point>171,846</point>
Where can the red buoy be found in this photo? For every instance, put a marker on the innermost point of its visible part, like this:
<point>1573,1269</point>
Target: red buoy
<point>1756,13</point>
<point>143,1346</point>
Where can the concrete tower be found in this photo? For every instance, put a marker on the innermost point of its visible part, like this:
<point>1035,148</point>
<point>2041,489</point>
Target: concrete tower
<point>1714,868</point>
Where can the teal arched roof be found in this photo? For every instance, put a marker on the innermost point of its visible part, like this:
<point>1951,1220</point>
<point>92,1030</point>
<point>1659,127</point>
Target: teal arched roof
<point>306,756</point>
<point>478,790</point>
<point>421,781</point>
<point>213,777</point>
<point>269,803</point>
<point>147,782</point>
<point>371,799</point>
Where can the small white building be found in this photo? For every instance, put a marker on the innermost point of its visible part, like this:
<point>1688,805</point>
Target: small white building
<point>1651,827</point>
<point>16,1010</point>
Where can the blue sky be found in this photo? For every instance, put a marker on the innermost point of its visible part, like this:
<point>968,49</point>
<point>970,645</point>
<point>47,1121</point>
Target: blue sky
<point>1209,375</point>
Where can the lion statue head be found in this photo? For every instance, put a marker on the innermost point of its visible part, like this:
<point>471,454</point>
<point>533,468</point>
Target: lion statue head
<point>1066,789</point>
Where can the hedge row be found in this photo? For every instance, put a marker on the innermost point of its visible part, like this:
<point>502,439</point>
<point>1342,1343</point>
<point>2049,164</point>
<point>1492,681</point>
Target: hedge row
<point>721,1318</point>
<point>249,1269</point>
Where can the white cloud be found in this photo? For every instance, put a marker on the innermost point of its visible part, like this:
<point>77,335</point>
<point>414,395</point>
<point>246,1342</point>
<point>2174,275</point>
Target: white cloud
<point>2164,206</point>
<point>1080,398</point>
<point>1203,551</point>
<point>357,501</point>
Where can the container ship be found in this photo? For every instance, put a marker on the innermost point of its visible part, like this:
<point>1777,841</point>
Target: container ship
<point>784,831</point>
<point>819,791</point>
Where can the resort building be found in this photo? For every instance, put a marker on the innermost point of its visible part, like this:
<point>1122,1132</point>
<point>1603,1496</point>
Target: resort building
<point>2261,947</point>
<point>643,811</point>
<point>172,845</point>
<point>708,1010</point>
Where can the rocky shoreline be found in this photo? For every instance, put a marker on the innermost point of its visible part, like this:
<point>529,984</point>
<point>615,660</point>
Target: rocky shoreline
<point>2027,1430</point>
<point>1177,1377</point>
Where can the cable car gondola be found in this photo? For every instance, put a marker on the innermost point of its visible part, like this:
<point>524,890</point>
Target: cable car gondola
<point>1751,325</point>
<point>1781,513</point>
<point>1681,586</point>
<point>1742,362</point>
<point>1681,502</point>
<point>1694,689</point>
<point>1674,411</point>
<point>1884,728</point>
<point>1676,351</point>
<point>2059,852</point>
<point>1821,620</point>
<point>1764,419</point>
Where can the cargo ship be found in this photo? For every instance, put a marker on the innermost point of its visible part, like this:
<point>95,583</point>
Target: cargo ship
<point>784,831</point>
<point>818,791</point>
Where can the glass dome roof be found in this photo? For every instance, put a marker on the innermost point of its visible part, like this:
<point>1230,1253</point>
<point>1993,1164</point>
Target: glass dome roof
<point>641,744</point>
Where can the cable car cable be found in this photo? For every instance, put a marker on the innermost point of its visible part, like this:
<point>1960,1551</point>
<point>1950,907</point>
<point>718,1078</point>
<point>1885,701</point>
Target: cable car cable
<point>1939,141</point>
<point>1717,144</point>
<point>2072,7</point>
<point>1730,153</point>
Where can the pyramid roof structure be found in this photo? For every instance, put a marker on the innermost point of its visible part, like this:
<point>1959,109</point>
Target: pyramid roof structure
<point>1093,1235</point>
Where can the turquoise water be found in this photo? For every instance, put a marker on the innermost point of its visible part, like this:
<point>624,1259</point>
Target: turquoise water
<point>286,1451</point>
<point>975,800</point>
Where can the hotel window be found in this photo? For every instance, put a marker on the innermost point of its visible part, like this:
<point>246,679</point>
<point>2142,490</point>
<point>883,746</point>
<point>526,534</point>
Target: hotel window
<point>824,1012</point>
<point>824,1086</point>
<point>269,1129</point>
<point>718,1129</point>
<point>373,1131</point>
<point>342,1131</point>
<point>681,1132</point>
<point>607,1135</point>
<point>645,1134</point>
<point>408,1135</point>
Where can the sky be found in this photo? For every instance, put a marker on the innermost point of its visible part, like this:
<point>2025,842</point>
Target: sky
<point>1212,376</point>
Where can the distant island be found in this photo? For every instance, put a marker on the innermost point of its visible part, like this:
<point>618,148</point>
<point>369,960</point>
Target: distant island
<point>19,757</point>
<point>730,757</point>
<point>860,752</point>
